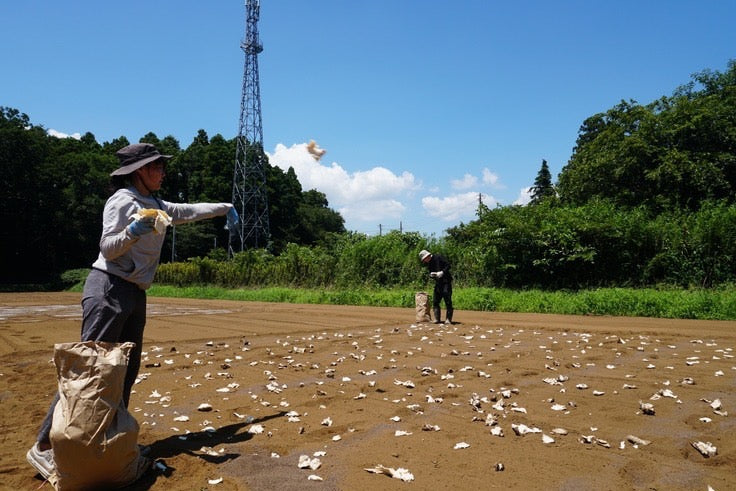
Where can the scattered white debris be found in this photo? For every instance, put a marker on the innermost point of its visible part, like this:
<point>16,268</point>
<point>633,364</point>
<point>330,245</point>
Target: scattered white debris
<point>461,445</point>
<point>400,473</point>
<point>256,430</point>
<point>204,407</point>
<point>707,449</point>
<point>314,477</point>
<point>307,462</point>
<point>638,441</point>
<point>215,481</point>
<point>209,451</point>
<point>522,429</point>
<point>667,393</point>
<point>646,408</point>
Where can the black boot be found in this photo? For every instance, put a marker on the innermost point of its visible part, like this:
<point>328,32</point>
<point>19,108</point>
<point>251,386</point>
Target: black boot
<point>437,315</point>
<point>448,320</point>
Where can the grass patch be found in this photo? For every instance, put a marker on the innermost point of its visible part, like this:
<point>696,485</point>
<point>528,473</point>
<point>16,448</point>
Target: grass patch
<point>713,304</point>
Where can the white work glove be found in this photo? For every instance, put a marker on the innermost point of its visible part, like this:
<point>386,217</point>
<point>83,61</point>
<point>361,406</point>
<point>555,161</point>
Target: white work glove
<point>436,274</point>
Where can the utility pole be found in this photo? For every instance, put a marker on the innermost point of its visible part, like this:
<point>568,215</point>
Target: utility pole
<point>249,178</point>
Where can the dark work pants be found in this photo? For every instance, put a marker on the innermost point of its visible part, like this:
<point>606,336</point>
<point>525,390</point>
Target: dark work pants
<point>113,310</point>
<point>442,291</point>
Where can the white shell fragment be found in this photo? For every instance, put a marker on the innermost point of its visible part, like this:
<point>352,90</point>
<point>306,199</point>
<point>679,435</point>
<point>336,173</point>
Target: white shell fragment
<point>637,441</point>
<point>707,449</point>
<point>400,473</point>
<point>215,481</point>
<point>256,430</point>
<point>204,407</point>
<point>461,445</point>
<point>522,429</point>
<point>209,451</point>
<point>307,462</point>
<point>646,408</point>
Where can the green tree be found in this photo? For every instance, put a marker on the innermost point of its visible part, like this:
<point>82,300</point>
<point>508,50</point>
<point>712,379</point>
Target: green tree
<point>543,187</point>
<point>316,219</point>
<point>284,199</point>
<point>677,152</point>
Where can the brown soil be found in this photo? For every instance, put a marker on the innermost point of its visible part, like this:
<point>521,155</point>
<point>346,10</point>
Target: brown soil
<point>374,372</point>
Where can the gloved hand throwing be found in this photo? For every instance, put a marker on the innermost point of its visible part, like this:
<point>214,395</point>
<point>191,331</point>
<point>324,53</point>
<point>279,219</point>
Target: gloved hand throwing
<point>436,274</point>
<point>141,226</point>
<point>232,219</point>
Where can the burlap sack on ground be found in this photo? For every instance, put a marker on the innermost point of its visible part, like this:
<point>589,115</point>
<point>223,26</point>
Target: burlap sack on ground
<point>93,435</point>
<point>421,299</point>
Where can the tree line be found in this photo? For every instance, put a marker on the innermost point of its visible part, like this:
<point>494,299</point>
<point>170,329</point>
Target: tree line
<point>54,190</point>
<point>646,198</point>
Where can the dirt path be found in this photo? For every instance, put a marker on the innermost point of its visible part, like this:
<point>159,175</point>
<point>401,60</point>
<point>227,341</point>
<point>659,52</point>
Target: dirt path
<point>367,386</point>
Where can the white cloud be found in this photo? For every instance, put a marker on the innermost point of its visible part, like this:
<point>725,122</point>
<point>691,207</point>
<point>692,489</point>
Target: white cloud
<point>388,208</point>
<point>525,196</point>
<point>467,182</point>
<point>491,179</point>
<point>59,134</point>
<point>470,181</point>
<point>456,207</point>
<point>373,195</point>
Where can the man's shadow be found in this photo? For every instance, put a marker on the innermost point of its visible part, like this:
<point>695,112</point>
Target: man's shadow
<point>176,445</point>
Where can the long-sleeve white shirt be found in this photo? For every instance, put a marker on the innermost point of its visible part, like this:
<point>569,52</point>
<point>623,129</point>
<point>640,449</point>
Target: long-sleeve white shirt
<point>132,258</point>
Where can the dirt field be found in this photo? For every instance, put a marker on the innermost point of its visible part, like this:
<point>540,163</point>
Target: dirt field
<point>361,387</point>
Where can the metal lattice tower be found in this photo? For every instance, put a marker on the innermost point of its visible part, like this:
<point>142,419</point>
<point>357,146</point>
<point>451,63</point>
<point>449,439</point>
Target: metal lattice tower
<point>249,178</point>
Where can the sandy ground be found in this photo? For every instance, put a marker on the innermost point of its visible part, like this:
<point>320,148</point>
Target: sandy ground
<point>362,387</point>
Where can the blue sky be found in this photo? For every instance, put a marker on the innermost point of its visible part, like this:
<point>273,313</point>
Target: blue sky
<point>422,106</point>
